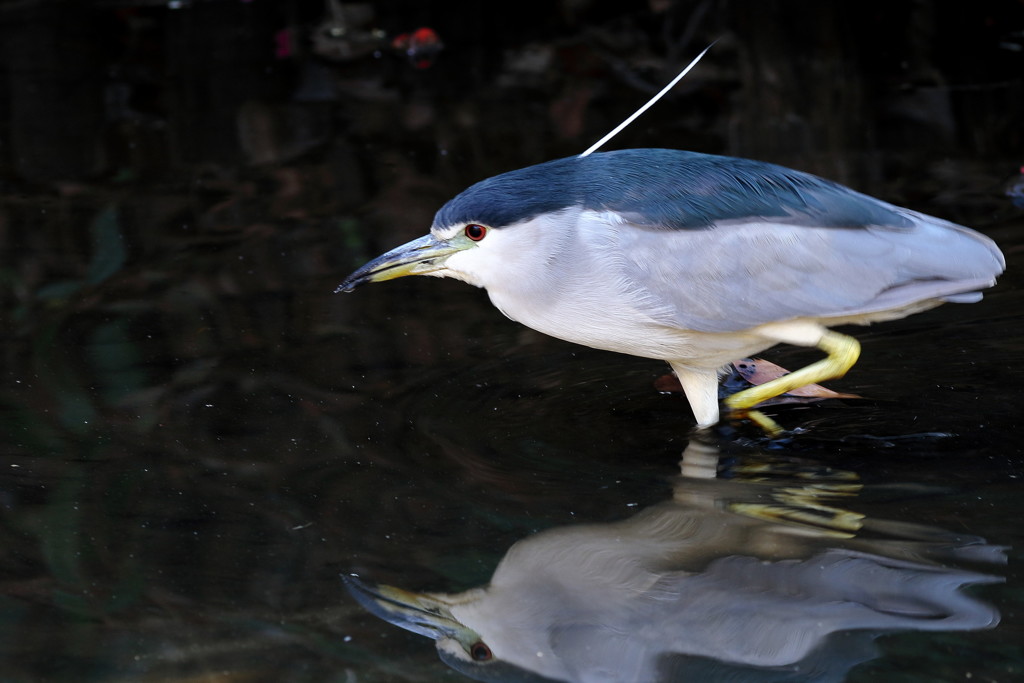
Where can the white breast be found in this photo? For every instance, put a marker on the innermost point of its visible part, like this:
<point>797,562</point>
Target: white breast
<point>566,283</point>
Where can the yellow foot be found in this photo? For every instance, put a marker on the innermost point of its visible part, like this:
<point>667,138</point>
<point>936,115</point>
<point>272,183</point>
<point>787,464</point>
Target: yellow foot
<point>768,425</point>
<point>843,352</point>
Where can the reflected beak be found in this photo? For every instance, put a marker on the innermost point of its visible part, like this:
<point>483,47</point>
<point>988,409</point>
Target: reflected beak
<point>419,257</point>
<point>416,612</point>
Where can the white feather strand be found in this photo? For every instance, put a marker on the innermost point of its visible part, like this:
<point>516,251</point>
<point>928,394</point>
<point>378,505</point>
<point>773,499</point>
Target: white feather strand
<point>615,131</point>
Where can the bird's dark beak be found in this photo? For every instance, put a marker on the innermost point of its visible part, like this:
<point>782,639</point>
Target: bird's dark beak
<point>419,257</point>
<point>417,612</point>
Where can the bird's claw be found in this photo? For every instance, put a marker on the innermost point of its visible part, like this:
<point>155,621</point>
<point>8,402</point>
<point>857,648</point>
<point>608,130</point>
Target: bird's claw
<point>767,424</point>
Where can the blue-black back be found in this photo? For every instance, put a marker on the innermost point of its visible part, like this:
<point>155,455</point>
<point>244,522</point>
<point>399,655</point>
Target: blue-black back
<point>668,189</point>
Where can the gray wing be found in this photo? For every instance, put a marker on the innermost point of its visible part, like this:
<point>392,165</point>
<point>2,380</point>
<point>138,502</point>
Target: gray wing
<point>742,273</point>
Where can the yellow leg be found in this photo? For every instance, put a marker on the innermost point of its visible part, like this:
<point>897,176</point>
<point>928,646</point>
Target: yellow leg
<point>843,352</point>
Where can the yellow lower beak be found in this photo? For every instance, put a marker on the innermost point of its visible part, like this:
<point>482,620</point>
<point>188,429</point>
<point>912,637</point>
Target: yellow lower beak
<point>416,612</point>
<point>424,255</point>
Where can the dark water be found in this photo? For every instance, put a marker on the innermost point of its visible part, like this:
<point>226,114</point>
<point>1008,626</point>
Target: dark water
<point>199,527</point>
<point>200,439</point>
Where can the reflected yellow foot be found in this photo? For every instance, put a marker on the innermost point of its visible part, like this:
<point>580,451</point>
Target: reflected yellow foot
<point>843,351</point>
<point>818,519</point>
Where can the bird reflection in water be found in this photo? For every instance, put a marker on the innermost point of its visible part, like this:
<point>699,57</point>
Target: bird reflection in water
<point>757,577</point>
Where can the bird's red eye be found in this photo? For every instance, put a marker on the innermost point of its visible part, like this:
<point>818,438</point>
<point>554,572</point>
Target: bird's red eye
<point>475,232</point>
<point>479,652</point>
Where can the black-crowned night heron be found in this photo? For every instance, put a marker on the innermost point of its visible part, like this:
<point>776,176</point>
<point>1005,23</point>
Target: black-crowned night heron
<point>695,259</point>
